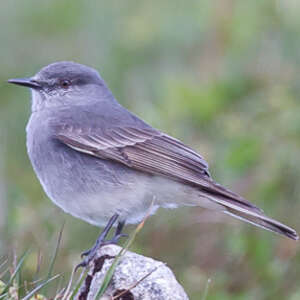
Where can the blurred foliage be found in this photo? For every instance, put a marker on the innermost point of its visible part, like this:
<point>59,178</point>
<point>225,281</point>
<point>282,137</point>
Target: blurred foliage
<point>223,76</point>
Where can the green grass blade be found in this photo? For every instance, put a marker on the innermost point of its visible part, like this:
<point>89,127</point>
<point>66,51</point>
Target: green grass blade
<point>55,254</point>
<point>78,285</point>
<point>17,270</point>
<point>28,296</point>
<point>3,274</point>
<point>3,263</point>
<point>206,289</point>
<point>56,251</point>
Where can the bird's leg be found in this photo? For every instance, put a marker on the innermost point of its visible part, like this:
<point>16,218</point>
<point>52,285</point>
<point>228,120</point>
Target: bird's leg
<point>90,254</point>
<point>118,234</point>
<point>119,228</point>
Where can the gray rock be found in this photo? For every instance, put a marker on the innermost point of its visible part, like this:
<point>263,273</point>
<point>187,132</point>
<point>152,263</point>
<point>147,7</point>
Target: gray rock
<point>161,284</point>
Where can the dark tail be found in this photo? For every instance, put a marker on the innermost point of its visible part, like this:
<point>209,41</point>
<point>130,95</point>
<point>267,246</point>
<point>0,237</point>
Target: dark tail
<point>263,222</point>
<point>242,209</point>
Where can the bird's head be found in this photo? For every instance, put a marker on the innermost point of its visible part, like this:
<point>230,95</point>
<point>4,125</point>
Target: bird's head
<point>63,82</point>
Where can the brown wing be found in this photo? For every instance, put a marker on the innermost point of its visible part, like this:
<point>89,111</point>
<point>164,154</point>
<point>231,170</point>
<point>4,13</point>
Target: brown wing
<point>150,151</point>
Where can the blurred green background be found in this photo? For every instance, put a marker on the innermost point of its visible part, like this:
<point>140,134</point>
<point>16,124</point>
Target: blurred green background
<point>223,76</point>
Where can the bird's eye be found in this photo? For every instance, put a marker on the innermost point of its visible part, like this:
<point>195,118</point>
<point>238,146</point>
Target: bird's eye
<point>65,83</point>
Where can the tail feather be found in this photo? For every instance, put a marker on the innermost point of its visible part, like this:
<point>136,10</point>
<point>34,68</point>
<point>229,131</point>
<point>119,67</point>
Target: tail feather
<point>252,215</point>
<point>264,222</point>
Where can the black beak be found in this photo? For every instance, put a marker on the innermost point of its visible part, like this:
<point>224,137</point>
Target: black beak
<point>28,82</point>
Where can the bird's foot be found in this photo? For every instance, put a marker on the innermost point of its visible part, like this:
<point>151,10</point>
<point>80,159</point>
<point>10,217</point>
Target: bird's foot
<point>91,253</point>
<point>93,250</point>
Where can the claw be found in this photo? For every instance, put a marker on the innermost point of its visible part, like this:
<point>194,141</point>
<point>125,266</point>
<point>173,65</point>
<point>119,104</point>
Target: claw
<point>85,253</point>
<point>117,237</point>
<point>83,264</point>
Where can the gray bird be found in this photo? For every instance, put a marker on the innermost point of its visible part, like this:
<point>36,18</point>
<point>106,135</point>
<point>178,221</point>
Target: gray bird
<point>99,162</point>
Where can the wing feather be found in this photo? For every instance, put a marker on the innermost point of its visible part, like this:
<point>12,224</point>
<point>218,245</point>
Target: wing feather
<point>150,151</point>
